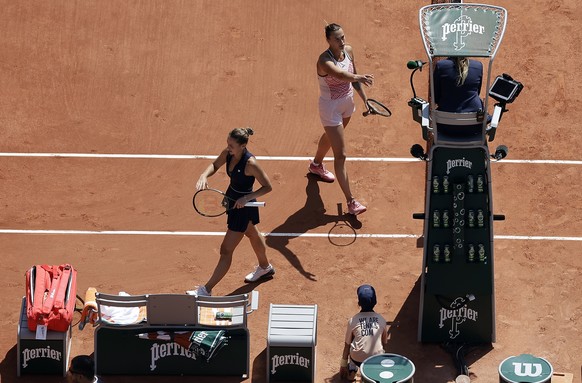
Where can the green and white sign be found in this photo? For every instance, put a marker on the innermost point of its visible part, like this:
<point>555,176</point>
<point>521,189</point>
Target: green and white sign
<point>462,29</point>
<point>525,368</point>
<point>387,368</point>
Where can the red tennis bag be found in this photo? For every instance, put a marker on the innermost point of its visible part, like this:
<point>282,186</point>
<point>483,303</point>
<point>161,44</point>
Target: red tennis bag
<point>51,292</point>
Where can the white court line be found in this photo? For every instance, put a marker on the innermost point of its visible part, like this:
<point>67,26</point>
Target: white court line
<point>537,238</point>
<point>195,157</point>
<point>263,158</point>
<point>269,158</point>
<point>290,235</point>
<point>196,233</point>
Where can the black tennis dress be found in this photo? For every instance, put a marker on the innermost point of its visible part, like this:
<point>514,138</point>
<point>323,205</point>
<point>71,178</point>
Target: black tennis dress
<point>240,184</point>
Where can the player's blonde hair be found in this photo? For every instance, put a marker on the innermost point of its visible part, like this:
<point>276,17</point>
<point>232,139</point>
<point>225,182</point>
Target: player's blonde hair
<point>462,64</point>
<point>241,135</point>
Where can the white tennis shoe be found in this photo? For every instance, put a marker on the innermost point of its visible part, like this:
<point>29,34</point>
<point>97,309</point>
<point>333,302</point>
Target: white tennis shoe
<point>199,291</point>
<point>259,273</point>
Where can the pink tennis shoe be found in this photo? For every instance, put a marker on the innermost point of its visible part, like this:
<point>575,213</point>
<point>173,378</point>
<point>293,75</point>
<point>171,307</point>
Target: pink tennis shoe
<point>355,208</point>
<point>322,172</point>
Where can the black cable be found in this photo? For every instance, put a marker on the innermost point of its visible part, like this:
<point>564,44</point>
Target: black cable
<point>79,310</point>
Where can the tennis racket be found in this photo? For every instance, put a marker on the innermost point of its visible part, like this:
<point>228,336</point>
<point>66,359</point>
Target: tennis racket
<point>212,203</point>
<point>376,107</point>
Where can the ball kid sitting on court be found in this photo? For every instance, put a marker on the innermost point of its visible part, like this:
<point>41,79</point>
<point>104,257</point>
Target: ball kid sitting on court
<point>366,334</point>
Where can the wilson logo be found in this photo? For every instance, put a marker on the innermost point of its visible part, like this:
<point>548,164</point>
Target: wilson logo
<point>527,369</point>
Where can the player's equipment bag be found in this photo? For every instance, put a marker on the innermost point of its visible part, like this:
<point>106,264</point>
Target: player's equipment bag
<point>51,293</point>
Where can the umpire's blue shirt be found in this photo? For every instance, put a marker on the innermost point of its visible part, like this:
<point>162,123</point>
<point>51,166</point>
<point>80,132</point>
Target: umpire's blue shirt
<point>459,99</point>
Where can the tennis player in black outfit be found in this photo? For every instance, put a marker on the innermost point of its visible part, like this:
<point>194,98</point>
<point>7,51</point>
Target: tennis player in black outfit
<point>243,170</point>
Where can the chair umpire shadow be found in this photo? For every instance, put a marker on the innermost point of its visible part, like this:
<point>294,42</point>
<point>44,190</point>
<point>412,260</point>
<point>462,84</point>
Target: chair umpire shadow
<point>432,361</point>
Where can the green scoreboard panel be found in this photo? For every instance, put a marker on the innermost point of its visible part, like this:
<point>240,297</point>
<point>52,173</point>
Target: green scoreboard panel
<point>457,297</point>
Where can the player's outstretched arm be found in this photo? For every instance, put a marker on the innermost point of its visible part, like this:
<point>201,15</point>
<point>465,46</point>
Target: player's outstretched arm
<point>202,182</point>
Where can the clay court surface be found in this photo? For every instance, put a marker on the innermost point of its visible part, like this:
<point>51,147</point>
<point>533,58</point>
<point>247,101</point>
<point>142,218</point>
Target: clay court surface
<point>162,78</point>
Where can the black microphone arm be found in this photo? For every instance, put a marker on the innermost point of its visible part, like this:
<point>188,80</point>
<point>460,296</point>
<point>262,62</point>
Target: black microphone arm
<point>414,65</point>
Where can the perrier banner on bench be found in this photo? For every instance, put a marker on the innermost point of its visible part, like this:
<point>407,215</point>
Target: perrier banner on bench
<point>457,297</point>
<point>171,350</point>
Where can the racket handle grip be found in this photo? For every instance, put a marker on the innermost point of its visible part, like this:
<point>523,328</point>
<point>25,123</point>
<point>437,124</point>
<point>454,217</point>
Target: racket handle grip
<point>366,113</point>
<point>255,204</point>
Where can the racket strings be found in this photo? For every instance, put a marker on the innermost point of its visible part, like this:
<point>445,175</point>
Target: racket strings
<point>378,108</point>
<point>210,203</point>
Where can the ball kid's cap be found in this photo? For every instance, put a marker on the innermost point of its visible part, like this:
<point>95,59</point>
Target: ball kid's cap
<point>366,297</point>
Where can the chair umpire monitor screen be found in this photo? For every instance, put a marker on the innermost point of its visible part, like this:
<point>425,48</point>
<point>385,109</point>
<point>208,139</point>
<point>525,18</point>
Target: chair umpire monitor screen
<point>504,89</point>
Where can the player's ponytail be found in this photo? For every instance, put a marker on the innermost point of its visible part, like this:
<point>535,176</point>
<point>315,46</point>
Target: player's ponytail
<point>241,135</point>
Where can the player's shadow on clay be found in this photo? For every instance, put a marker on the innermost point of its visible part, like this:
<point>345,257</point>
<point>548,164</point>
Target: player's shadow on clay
<point>312,215</point>
<point>249,287</point>
<point>343,232</point>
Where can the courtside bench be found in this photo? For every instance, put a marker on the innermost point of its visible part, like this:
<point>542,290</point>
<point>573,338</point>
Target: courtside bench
<point>160,342</point>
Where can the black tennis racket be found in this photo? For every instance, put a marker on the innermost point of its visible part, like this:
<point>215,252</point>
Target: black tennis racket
<point>376,107</point>
<point>212,203</point>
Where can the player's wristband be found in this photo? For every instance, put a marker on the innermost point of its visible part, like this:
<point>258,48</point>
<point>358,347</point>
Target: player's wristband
<point>343,362</point>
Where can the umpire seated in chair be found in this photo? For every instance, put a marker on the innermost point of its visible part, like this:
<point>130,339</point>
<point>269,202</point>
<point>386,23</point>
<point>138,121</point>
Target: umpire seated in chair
<point>457,86</point>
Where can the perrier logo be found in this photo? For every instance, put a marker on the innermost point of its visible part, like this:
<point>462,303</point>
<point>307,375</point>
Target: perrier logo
<point>460,162</point>
<point>462,27</point>
<point>457,314</point>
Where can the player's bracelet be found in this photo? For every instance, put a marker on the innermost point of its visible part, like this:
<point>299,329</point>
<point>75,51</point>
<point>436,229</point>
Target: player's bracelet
<point>343,362</point>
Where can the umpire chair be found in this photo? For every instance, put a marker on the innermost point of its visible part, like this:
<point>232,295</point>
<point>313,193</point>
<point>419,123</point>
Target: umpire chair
<point>457,302</point>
